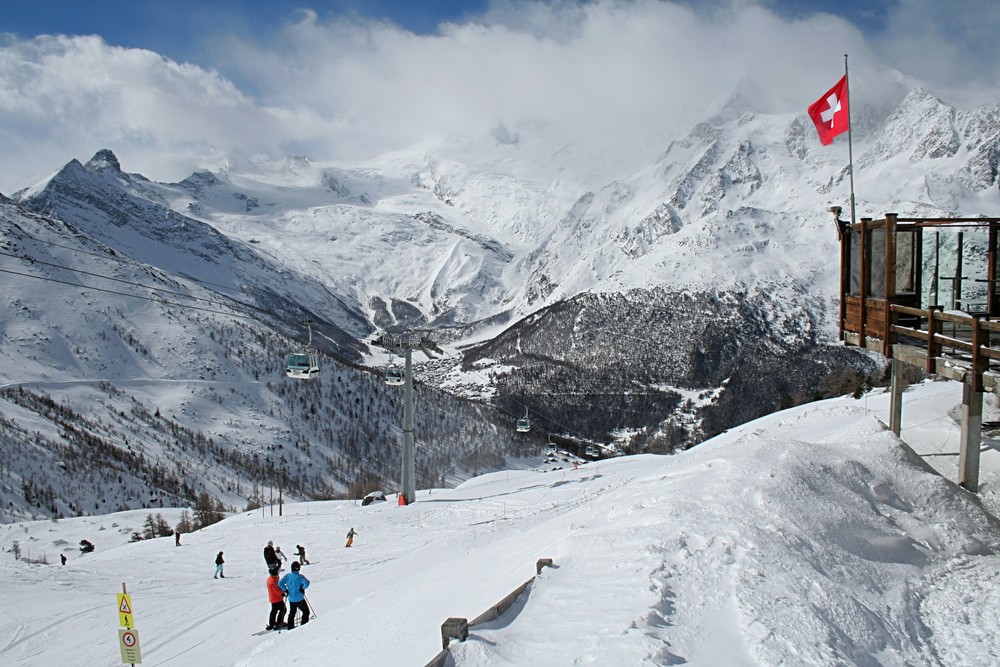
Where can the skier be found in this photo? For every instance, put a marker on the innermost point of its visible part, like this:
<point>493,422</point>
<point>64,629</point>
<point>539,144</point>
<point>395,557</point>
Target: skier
<point>276,620</point>
<point>270,557</point>
<point>350,537</point>
<point>280,554</point>
<point>295,585</point>
<point>301,554</point>
<point>177,538</point>
<point>219,561</point>
<point>62,557</point>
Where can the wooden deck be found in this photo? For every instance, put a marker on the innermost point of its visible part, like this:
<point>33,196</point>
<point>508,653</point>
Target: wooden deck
<point>924,292</point>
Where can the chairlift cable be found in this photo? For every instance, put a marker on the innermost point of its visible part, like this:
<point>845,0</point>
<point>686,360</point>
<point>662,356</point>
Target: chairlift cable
<point>117,280</point>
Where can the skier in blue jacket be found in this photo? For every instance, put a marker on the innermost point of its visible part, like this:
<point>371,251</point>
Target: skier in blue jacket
<point>295,585</point>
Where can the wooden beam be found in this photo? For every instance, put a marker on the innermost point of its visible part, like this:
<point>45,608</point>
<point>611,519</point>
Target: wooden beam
<point>896,407</point>
<point>971,439</point>
<point>865,268</point>
<point>889,281</point>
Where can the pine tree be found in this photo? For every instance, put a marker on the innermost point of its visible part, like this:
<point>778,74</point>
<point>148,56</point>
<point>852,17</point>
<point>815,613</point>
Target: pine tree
<point>163,528</point>
<point>206,512</point>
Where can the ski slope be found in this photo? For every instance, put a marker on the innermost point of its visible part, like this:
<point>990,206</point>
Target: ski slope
<point>810,537</point>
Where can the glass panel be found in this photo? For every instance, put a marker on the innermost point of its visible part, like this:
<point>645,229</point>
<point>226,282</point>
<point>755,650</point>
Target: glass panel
<point>972,292</point>
<point>906,265</point>
<point>876,256</point>
<point>935,290</point>
<point>854,286</point>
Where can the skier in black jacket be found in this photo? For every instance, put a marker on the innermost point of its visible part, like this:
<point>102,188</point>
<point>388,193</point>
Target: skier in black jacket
<point>219,562</point>
<point>301,553</point>
<point>270,557</point>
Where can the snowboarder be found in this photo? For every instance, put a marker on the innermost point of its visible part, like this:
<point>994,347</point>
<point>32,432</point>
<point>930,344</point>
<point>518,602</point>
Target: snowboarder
<point>276,620</point>
<point>62,557</point>
<point>301,554</point>
<point>350,537</point>
<point>219,561</point>
<point>295,585</point>
<point>177,538</point>
<point>270,557</point>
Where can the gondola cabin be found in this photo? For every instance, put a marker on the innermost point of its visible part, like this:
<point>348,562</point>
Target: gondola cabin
<point>302,365</point>
<point>394,377</point>
<point>523,425</point>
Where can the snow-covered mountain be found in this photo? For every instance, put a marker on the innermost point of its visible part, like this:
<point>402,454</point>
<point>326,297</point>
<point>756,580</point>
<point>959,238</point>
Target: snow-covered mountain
<point>125,385</point>
<point>667,300</point>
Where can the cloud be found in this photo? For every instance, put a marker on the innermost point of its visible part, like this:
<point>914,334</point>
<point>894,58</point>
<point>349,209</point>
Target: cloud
<point>611,77</point>
<point>952,46</point>
<point>65,97</point>
<point>618,73</point>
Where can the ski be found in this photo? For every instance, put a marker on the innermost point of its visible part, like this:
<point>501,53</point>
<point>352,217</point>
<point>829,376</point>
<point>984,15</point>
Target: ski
<point>265,632</point>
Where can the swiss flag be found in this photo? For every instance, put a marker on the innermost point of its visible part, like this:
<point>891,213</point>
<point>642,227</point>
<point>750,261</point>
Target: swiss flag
<point>829,112</point>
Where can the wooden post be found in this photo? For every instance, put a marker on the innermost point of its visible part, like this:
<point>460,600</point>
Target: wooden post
<point>896,408</point>
<point>845,270</point>
<point>933,347</point>
<point>980,363</point>
<point>972,424</point>
<point>956,285</point>
<point>890,282</point>
<point>454,628</point>
<point>865,269</point>
<point>991,272</point>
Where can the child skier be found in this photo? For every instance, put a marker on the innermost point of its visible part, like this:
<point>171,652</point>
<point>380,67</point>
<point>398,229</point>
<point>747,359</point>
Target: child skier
<point>219,561</point>
<point>276,620</point>
<point>295,585</point>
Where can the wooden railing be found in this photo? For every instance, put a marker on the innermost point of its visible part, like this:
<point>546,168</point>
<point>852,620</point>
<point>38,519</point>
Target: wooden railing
<point>458,628</point>
<point>970,335</point>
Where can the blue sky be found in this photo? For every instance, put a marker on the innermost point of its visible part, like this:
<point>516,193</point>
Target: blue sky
<point>177,85</point>
<point>179,29</point>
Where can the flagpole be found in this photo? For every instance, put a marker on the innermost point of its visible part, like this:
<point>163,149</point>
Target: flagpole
<point>850,125</point>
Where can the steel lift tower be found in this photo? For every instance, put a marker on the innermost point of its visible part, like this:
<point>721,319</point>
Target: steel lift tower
<point>403,345</point>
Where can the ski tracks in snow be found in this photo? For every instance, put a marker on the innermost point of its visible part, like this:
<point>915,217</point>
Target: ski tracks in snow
<point>948,617</point>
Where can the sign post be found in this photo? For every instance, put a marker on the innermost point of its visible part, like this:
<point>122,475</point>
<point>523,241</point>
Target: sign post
<point>128,641</point>
<point>128,637</point>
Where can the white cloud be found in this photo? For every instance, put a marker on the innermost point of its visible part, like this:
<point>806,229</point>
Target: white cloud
<point>612,75</point>
<point>66,97</point>
<point>949,45</point>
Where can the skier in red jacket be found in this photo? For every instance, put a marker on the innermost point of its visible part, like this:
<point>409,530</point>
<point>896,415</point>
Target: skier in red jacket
<point>276,597</point>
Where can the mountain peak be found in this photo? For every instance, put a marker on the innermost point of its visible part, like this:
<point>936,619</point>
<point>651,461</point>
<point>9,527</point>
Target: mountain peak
<point>104,159</point>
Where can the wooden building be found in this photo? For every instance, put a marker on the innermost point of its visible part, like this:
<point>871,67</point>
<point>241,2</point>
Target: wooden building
<point>923,291</point>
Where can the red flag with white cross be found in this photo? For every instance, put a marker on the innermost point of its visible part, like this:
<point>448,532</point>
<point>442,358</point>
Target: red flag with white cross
<point>830,112</point>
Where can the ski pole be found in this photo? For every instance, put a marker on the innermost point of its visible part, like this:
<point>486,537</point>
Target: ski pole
<point>312,610</point>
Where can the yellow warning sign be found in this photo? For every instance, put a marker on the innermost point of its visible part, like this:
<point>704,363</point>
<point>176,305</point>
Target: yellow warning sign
<point>125,610</point>
<point>128,641</point>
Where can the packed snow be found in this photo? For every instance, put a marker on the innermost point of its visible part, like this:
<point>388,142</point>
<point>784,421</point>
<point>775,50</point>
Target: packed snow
<point>812,536</point>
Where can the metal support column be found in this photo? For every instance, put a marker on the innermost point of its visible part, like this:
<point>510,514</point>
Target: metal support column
<point>408,482</point>
<point>403,345</point>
